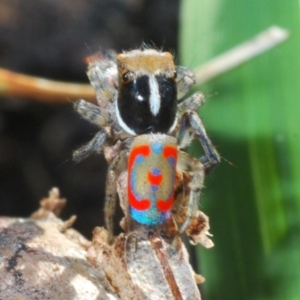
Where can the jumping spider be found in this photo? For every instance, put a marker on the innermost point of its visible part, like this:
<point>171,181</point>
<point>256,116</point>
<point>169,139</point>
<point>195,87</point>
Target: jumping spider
<point>139,95</point>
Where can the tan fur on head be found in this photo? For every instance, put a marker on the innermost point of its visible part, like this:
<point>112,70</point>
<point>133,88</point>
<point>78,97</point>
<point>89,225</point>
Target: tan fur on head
<point>147,61</point>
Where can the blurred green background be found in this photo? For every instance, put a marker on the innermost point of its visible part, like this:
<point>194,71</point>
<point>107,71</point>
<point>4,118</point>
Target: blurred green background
<point>252,115</point>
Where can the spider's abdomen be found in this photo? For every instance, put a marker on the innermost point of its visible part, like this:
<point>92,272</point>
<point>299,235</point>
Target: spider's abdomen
<point>151,175</point>
<point>147,92</point>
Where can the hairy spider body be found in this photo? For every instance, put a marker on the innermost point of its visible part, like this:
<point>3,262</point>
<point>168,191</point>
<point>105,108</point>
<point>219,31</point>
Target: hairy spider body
<point>138,109</point>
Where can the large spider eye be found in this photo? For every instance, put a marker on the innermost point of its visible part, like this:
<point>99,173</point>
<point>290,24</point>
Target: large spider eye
<point>127,77</point>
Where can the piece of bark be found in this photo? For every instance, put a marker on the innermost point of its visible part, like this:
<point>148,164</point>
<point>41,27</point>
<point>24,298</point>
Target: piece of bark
<point>151,262</point>
<point>143,266</point>
<point>42,258</point>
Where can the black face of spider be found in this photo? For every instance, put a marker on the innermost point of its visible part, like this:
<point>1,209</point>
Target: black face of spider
<point>147,103</point>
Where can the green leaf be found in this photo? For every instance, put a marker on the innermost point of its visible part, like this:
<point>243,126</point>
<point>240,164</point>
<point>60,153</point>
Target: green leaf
<point>252,114</point>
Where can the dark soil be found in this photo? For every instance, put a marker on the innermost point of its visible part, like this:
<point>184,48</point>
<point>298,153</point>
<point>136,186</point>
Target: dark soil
<point>50,38</point>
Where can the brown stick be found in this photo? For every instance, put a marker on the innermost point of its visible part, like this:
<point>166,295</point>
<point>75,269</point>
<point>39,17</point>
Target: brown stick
<point>18,85</point>
<point>35,88</point>
<point>236,56</point>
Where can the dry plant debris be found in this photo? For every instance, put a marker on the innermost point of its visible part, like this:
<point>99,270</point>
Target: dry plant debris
<point>45,90</point>
<point>43,258</point>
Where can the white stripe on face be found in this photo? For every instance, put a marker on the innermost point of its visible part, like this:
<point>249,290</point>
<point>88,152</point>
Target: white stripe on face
<point>154,95</point>
<point>121,122</point>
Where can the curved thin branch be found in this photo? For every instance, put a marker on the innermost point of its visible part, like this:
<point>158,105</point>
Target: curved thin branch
<point>44,90</point>
<point>238,55</point>
<point>29,87</point>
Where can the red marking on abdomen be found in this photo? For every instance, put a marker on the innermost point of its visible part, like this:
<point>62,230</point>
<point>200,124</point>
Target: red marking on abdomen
<point>170,151</point>
<point>143,150</point>
<point>164,206</point>
<point>155,179</point>
<point>144,204</point>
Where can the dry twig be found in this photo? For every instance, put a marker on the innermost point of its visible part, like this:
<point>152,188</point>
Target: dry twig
<point>13,84</point>
<point>35,88</point>
<point>261,43</point>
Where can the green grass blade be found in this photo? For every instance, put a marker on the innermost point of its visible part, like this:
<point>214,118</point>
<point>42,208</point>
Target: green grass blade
<point>253,116</point>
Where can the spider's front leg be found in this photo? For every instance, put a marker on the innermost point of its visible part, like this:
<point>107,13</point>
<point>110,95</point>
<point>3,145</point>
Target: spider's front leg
<point>211,157</point>
<point>92,113</point>
<point>103,75</point>
<point>191,125</point>
<point>99,117</point>
<point>185,80</point>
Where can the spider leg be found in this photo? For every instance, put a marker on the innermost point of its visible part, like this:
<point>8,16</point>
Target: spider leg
<point>111,193</point>
<point>197,171</point>
<point>92,113</point>
<point>95,145</point>
<point>103,75</point>
<point>191,103</point>
<point>186,133</point>
<point>185,80</point>
<point>191,125</point>
<point>211,157</point>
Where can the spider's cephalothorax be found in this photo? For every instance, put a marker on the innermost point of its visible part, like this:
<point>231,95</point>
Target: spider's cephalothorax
<point>147,92</point>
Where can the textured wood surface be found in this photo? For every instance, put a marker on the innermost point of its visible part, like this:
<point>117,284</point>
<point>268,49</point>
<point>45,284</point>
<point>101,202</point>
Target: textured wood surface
<point>43,258</point>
